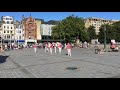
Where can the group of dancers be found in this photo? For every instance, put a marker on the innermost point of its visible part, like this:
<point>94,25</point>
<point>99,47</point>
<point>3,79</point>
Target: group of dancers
<point>49,47</point>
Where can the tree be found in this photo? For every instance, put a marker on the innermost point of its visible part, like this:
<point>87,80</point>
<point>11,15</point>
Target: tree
<point>91,33</point>
<point>70,28</point>
<point>116,31</point>
<point>110,33</point>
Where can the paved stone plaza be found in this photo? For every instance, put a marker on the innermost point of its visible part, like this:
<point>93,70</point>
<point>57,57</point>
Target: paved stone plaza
<point>28,64</point>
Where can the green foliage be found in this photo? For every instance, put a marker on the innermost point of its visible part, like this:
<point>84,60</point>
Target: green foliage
<point>91,33</point>
<point>112,32</point>
<point>70,28</point>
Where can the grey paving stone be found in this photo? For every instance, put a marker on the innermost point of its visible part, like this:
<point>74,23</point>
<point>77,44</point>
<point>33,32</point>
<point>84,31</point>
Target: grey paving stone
<point>26,64</point>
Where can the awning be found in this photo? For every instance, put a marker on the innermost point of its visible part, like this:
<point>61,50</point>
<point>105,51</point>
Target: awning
<point>20,40</point>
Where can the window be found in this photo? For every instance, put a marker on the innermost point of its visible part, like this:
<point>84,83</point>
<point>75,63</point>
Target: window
<point>29,31</point>
<point>7,27</point>
<point>11,31</point>
<point>11,27</point>
<point>16,26</point>
<point>20,27</point>
<point>49,32</point>
<point>8,37</point>
<point>42,31</point>
<point>7,31</point>
<point>4,27</point>
<point>29,37</point>
<point>12,22</point>
<point>5,37</point>
<point>4,32</point>
<point>19,37</point>
<point>7,22</point>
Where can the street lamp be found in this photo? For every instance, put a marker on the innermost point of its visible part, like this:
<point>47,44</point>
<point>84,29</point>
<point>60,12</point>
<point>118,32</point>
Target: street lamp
<point>105,38</point>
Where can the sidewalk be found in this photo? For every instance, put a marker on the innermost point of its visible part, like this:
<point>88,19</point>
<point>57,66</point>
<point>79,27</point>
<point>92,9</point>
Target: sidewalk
<point>27,64</point>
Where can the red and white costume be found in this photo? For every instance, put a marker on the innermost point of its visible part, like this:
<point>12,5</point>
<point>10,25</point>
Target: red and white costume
<point>46,47</point>
<point>60,47</point>
<point>34,46</point>
<point>55,47</point>
<point>51,46</point>
<point>69,49</point>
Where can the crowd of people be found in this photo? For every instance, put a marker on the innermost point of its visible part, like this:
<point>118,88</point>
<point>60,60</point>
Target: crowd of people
<point>12,46</point>
<point>51,47</point>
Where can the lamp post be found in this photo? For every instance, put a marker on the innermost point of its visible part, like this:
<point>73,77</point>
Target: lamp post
<point>105,38</point>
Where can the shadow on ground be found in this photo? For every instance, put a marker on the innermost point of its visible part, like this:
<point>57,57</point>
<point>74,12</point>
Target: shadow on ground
<point>3,59</point>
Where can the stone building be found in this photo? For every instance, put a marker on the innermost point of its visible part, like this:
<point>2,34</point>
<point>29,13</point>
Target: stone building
<point>97,22</point>
<point>30,33</point>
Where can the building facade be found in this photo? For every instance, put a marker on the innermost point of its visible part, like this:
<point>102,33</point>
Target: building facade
<point>97,22</point>
<point>1,36</point>
<point>38,23</point>
<point>46,30</point>
<point>30,33</point>
<point>19,32</point>
<point>8,30</point>
<point>0,29</point>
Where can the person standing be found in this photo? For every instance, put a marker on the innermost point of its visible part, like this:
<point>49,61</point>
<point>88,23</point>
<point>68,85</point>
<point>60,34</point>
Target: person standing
<point>5,46</point>
<point>46,47</point>
<point>51,46</point>
<point>55,47</point>
<point>69,49</point>
<point>35,47</point>
<point>60,47</point>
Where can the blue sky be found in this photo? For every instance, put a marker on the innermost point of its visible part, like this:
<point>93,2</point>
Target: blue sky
<point>61,15</point>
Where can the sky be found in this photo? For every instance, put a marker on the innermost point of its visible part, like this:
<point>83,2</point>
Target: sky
<point>61,15</point>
